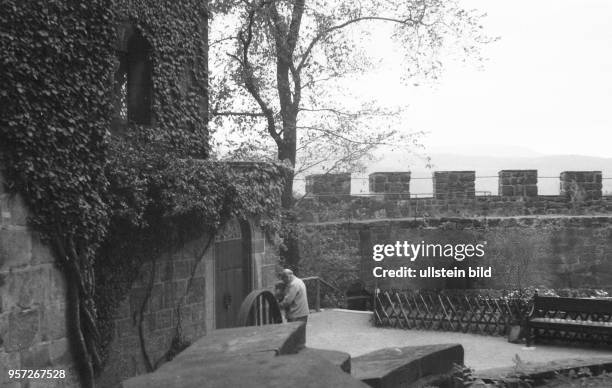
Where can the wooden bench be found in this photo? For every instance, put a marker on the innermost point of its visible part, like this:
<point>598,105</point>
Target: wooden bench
<point>570,319</point>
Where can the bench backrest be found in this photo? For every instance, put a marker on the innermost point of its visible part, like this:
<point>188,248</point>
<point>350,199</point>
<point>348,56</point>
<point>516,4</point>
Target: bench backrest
<point>601,306</point>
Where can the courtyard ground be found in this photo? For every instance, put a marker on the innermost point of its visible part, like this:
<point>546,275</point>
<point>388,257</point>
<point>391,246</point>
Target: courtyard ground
<point>353,332</point>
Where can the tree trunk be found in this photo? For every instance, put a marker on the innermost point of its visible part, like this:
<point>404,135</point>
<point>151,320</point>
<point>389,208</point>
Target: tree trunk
<point>287,151</point>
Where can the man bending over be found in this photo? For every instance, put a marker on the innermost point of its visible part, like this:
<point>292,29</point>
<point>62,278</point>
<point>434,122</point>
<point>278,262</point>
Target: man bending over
<point>295,302</point>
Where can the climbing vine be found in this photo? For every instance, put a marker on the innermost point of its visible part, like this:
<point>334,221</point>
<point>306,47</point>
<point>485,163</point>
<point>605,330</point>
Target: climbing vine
<point>109,202</point>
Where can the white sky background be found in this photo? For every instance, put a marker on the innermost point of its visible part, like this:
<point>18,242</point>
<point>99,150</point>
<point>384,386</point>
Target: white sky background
<point>547,84</point>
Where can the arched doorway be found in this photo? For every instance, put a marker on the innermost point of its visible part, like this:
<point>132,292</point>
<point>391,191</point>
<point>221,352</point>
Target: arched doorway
<point>233,271</point>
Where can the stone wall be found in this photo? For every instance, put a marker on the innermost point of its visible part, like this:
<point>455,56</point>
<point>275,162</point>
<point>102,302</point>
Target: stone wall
<point>394,185</point>
<point>326,184</point>
<point>179,286</point>
<point>32,300</point>
<point>523,183</point>
<point>355,208</point>
<point>177,289</point>
<point>454,184</point>
<point>554,252</point>
<point>453,196</point>
<point>581,185</point>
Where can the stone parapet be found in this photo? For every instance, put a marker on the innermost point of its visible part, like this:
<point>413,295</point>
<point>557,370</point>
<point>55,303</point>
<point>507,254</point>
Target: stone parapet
<point>518,183</point>
<point>580,185</point>
<point>326,184</point>
<point>394,185</point>
<point>454,184</point>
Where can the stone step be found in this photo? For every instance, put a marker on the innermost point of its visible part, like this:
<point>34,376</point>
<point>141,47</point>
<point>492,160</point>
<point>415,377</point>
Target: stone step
<point>262,356</point>
<point>298,370</point>
<point>404,367</point>
<point>341,360</point>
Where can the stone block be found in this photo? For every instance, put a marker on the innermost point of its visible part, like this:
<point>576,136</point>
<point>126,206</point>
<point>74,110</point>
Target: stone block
<point>395,367</point>
<point>36,357</point>
<point>341,360</point>
<point>518,183</point>
<point>166,270</point>
<point>15,248</point>
<point>137,299</point>
<point>41,253</point>
<point>53,321</point>
<point>8,361</point>
<point>126,328</point>
<point>224,344</point>
<point>580,185</point>
<point>326,184</point>
<point>252,371</point>
<point>531,191</point>
<point>261,356</point>
<point>156,299</point>
<point>394,185</point>
<point>23,329</point>
<point>4,326</point>
<point>454,184</point>
<point>181,269</point>
<point>196,290</point>
<point>28,287</point>
<point>59,352</point>
<point>163,319</point>
<point>57,289</point>
<point>506,191</point>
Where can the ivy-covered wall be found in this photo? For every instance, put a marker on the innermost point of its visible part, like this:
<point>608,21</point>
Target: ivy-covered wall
<point>108,190</point>
<point>175,293</point>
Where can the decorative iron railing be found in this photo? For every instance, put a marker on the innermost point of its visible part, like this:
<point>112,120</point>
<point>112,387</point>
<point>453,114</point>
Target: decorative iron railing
<point>456,311</point>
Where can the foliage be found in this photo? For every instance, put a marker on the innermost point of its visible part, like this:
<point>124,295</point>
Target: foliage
<point>54,133</point>
<point>282,65</point>
<point>131,192</point>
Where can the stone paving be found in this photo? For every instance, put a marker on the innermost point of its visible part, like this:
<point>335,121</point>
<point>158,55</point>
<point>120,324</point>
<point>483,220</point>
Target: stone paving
<point>352,332</point>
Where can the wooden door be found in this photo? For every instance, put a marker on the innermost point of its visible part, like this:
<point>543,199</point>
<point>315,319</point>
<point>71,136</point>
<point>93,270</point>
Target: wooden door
<point>232,273</point>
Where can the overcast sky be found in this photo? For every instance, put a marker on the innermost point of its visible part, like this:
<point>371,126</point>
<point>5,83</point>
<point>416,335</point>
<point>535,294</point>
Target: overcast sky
<point>547,85</point>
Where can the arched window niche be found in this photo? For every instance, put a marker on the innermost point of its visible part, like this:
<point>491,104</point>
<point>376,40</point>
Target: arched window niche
<point>133,84</point>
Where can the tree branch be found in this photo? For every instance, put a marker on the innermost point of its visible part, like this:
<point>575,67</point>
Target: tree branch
<point>231,113</point>
<point>323,34</point>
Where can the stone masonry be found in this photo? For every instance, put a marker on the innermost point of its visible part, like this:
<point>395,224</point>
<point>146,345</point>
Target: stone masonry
<point>178,288</point>
<point>322,184</point>
<point>394,185</point>
<point>32,300</point>
<point>33,330</point>
<point>454,184</point>
<point>518,183</point>
<point>581,185</point>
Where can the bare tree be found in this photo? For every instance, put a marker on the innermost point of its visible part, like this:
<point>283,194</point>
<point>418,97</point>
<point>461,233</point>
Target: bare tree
<point>279,65</point>
<point>285,59</point>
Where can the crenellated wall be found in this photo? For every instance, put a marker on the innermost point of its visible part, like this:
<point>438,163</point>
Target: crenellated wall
<point>454,196</point>
<point>393,185</point>
<point>454,184</point>
<point>581,185</point>
<point>556,241</point>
